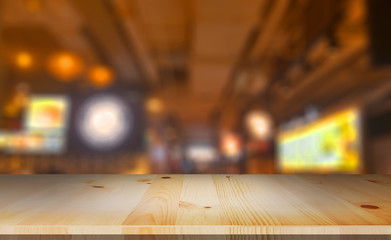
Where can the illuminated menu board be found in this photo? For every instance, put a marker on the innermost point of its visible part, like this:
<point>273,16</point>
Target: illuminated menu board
<point>330,144</point>
<point>45,125</point>
<point>47,112</point>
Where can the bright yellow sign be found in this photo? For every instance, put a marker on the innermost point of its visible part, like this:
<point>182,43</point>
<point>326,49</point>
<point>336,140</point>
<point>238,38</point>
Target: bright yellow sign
<point>47,112</point>
<point>330,144</point>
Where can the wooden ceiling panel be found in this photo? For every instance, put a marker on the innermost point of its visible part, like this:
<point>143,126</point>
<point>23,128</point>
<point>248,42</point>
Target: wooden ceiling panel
<point>167,37</point>
<point>58,17</point>
<point>221,30</point>
<point>59,12</point>
<point>222,42</point>
<point>17,12</point>
<point>162,38</point>
<point>228,11</point>
<point>102,22</point>
<point>164,22</point>
<point>158,12</point>
<point>39,38</point>
<point>208,78</point>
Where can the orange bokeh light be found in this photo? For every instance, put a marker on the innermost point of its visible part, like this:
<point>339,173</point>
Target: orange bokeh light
<point>230,145</point>
<point>101,76</point>
<point>24,60</point>
<point>65,65</point>
<point>154,105</point>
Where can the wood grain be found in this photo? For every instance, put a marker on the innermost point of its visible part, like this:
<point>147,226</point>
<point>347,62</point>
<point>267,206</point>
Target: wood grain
<point>195,204</point>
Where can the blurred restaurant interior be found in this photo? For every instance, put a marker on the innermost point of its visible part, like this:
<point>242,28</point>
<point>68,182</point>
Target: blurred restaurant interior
<point>195,86</point>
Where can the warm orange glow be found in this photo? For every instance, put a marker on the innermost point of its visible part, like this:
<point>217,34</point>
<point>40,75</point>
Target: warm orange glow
<point>65,66</point>
<point>24,60</point>
<point>259,124</point>
<point>230,145</point>
<point>33,5</point>
<point>101,76</point>
<point>11,110</point>
<point>154,105</point>
<point>17,103</point>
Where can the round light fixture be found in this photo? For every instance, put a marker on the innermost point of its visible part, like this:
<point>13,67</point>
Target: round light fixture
<point>154,105</point>
<point>65,65</point>
<point>101,76</point>
<point>230,145</point>
<point>24,60</point>
<point>104,122</point>
<point>259,124</point>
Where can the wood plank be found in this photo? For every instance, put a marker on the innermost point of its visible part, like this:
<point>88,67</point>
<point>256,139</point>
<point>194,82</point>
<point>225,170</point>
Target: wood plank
<point>160,204</point>
<point>195,204</point>
<point>101,199</point>
<point>199,202</point>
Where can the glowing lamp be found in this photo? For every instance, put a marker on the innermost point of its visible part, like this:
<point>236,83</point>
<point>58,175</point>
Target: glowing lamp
<point>259,125</point>
<point>154,105</point>
<point>230,145</point>
<point>104,122</point>
<point>201,153</point>
<point>24,60</point>
<point>65,66</point>
<point>101,76</point>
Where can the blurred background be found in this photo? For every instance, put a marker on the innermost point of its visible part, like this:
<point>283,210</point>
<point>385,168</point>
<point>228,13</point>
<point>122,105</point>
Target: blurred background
<point>195,86</point>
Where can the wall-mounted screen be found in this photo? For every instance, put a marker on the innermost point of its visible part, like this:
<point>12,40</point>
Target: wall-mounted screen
<point>47,112</point>
<point>46,122</point>
<point>329,144</point>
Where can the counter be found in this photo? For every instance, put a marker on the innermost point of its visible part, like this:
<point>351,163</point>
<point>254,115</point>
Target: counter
<point>195,204</point>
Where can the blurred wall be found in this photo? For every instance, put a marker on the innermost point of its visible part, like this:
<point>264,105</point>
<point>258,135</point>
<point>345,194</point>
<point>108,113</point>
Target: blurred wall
<point>381,155</point>
<point>1,67</point>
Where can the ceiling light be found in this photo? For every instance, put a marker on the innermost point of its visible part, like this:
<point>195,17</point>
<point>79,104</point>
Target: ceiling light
<point>101,76</point>
<point>24,60</point>
<point>65,65</point>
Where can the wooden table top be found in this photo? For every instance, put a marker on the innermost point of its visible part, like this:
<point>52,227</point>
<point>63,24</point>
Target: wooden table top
<point>195,204</point>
